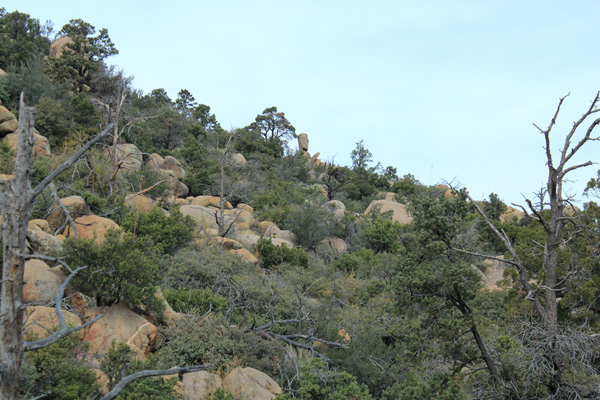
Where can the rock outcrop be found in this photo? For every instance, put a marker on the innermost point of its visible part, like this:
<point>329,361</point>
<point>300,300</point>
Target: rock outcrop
<point>40,282</point>
<point>76,207</point>
<point>199,385</point>
<point>399,212</point>
<point>38,319</point>
<point>121,325</point>
<point>41,146</point>
<point>91,227</point>
<point>58,47</point>
<point>8,122</point>
<point>303,141</point>
<point>250,384</point>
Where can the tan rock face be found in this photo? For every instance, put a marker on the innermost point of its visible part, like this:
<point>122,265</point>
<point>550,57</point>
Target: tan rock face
<point>511,215</point>
<point>139,203</point>
<point>274,232</point>
<point>199,385</point>
<point>46,317</point>
<point>59,46</point>
<point>246,237</point>
<point>41,147</point>
<point>75,205</point>
<point>43,243</point>
<point>91,227</point>
<point>172,164</point>
<point>246,207</point>
<point>245,255</point>
<point>8,122</point>
<point>176,187</point>
<point>336,244</point>
<point>130,156</point>
<point>399,212</point>
<point>225,243</point>
<point>250,384</point>
<point>121,325</point>
<point>238,159</point>
<point>40,284</point>
<point>303,141</point>
<point>156,161</point>
<point>40,224</point>
<point>203,216</point>
<point>337,207</point>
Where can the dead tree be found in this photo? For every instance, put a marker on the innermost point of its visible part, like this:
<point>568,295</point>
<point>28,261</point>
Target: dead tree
<point>16,199</point>
<point>553,224</point>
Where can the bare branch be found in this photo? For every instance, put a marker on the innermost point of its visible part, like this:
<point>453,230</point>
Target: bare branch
<point>61,168</point>
<point>143,374</point>
<point>516,264</point>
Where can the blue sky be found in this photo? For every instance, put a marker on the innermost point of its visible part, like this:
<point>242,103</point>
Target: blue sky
<point>440,89</point>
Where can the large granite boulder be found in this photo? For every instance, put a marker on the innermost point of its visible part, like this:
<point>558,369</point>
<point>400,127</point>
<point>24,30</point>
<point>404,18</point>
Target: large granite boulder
<point>250,384</point>
<point>59,46</point>
<point>40,282</point>
<point>173,164</point>
<point>156,161</point>
<point>139,203</point>
<point>75,205</point>
<point>8,122</point>
<point>38,319</point>
<point>40,242</point>
<point>41,146</point>
<point>91,227</point>
<point>200,385</point>
<point>399,212</point>
<point>121,325</point>
<point>303,141</point>
<point>337,207</point>
<point>129,156</point>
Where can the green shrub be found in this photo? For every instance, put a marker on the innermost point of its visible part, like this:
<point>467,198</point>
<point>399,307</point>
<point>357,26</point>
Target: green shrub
<point>198,301</point>
<point>383,235</point>
<point>168,233</point>
<point>271,255</point>
<point>311,224</point>
<point>121,358</point>
<point>58,370</point>
<point>318,382</point>
<point>7,159</point>
<point>120,269</point>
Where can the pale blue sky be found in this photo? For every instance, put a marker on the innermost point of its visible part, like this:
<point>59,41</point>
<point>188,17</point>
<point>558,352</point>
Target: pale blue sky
<point>439,89</point>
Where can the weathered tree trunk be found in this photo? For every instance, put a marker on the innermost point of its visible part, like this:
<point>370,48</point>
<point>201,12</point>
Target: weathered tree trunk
<point>15,203</point>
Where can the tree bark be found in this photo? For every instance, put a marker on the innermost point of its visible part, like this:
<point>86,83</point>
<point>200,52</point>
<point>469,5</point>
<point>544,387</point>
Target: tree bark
<point>16,208</point>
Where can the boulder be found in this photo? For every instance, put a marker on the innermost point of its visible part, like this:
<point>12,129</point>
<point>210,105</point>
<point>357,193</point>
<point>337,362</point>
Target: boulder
<point>176,187</point>
<point>139,203</point>
<point>75,205</point>
<point>40,242</point>
<point>156,161</point>
<point>246,207</point>
<point>242,216</point>
<point>215,201</point>
<point>337,207</point>
<point>250,384</point>
<point>170,315</point>
<point>59,46</point>
<point>493,273</point>
<point>264,226</point>
<point>8,122</point>
<point>91,227</point>
<point>246,237</point>
<point>200,201</point>
<point>303,141</point>
<point>129,156</point>
<point>511,215</point>
<point>6,177</point>
<point>40,284</point>
<point>225,243</point>
<point>386,196</point>
<point>172,164</point>
<point>282,242</point>
<point>40,224</point>
<point>245,255</point>
<point>336,244</point>
<point>238,159</point>
<point>274,232</point>
<point>203,216</point>
<point>41,146</point>
<point>121,325</point>
<point>2,72</point>
<point>315,156</point>
<point>39,317</point>
<point>180,202</point>
<point>200,384</point>
<point>399,212</point>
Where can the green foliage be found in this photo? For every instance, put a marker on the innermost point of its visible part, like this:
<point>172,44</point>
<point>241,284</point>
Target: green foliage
<point>52,120</point>
<point>83,112</point>
<point>272,124</point>
<point>21,38</point>
<point>360,156</point>
<point>168,233</point>
<point>121,358</point>
<point>199,167</point>
<point>220,394</point>
<point>318,382</point>
<point>197,301</point>
<point>252,145</point>
<point>440,386</point>
<point>310,224</point>
<point>197,341</point>
<point>494,207</point>
<point>383,235</point>
<point>83,55</point>
<point>271,256</point>
<point>7,159</point>
<point>122,268</point>
<point>59,371</point>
